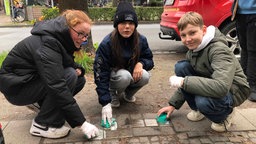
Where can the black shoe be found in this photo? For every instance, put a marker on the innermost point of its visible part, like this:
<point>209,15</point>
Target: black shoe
<point>252,97</point>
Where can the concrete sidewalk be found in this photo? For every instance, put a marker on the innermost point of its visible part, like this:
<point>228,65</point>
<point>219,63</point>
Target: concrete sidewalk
<point>136,121</point>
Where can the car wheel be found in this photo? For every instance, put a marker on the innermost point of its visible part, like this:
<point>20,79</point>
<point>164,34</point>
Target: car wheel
<point>229,30</point>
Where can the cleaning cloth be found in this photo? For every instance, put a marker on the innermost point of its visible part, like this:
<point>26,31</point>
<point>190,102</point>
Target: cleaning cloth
<point>162,119</point>
<point>109,125</point>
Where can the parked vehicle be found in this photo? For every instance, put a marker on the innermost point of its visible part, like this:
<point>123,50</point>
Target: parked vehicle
<point>214,12</point>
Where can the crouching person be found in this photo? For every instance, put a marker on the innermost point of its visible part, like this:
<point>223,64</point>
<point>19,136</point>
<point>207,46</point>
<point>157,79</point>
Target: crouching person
<point>41,69</point>
<point>211,79</point>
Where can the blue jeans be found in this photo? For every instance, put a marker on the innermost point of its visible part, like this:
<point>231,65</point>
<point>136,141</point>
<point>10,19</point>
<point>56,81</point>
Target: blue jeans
<point>215,109</point>
<point>122,81</point>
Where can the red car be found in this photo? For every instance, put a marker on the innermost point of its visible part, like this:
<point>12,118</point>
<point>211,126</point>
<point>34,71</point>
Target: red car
<point>214,12</point>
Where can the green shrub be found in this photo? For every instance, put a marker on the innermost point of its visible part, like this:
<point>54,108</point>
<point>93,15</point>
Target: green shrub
<point>2,57</point>
<point>98,14</point>
<point>85,61</point>
<point>50,13</point>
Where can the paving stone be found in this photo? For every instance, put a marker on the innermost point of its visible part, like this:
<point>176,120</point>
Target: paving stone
<point>235,139</point>
<point>146,131</point>
<point>138,123</point>
<point>136,116</point>
<point>17,132</point>
<point>167,130</point>
<point>241,123</point>
<point>155,138</point>
<point>249,114</point>
<point>252,134</point>
<point>134,140</point>
<point>194,141</point>
<point>196,134</point>
<point>144,139</point>
<point>219,139</point>
<point>205,141</point>
<point>184,141</point>
<point>240,134</point>
<point>121,133</point>
<point>124,121</point>
<point>182,136</point>
<point>182,124</point>
<point>150,122</point>
<point>149,115</point>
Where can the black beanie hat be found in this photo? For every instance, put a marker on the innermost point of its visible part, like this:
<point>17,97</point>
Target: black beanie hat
<point>125,12</point>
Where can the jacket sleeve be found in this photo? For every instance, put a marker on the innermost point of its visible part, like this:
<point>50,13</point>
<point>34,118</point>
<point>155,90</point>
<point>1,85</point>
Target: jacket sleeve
<point>177,99</point>
<point>222,63</point>
<point>102,70</point>
<point>146,56</point>
<point>51,70</point>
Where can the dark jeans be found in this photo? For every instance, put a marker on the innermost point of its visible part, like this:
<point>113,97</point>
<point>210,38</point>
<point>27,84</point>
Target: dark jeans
<point>246,32</point>
<point>36,92</point>
<point>215,109</point>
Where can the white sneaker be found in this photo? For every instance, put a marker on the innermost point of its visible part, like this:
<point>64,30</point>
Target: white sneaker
<point>221,127</point>
<point>195,116</point>
<point>48,132</point>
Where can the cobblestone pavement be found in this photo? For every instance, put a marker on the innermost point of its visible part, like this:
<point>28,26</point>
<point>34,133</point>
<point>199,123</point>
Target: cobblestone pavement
<point>136,121</point>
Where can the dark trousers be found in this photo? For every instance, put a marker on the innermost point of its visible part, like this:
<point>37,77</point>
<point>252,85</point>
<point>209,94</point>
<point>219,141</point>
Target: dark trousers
<point>246,30</point>
<point>215,109</point>
<point>36,92</point>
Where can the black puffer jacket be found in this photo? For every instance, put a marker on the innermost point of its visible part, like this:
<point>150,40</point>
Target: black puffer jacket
<point>44,55</point>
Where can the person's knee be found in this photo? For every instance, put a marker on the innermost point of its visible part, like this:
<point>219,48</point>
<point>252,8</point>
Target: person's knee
<point>120,79</point>
<point>144,79</point>
<point>180,66</point>
<point>203,104</point>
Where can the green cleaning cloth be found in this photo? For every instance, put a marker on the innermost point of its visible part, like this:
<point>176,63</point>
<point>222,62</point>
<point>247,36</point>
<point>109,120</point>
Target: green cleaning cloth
<point>162,118</point>
<point>108,125</point>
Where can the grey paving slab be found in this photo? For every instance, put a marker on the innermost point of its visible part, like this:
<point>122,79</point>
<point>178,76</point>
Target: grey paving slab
<point>249,114</point>
<point>182,124</point>
<point>241,120</point>
<point>146,131</point>
<point>17,132</point>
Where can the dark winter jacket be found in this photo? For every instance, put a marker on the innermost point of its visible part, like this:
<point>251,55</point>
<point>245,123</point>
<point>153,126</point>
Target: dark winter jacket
<point>219,73</point>
<point>104,64</point>
<point>44,55</point>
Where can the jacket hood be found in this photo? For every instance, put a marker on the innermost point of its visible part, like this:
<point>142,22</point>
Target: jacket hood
<point>212,35</point>
<point>58,29</point>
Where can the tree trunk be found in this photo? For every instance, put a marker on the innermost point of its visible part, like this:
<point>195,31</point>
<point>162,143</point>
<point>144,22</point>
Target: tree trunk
<point>78,5</point>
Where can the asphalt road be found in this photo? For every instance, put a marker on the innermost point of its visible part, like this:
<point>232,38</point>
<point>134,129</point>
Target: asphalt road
<point>12,35</point>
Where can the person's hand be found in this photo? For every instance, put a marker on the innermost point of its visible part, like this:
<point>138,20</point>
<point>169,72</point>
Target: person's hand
<point>78,72</point>
<point>168,109</point>
<point>137,72</point>
<point>107,113</point>
<point>176,81</point>
<point>89,130</point>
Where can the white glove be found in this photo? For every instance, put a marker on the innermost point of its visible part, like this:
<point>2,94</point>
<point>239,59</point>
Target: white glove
<point>176,81</point>
<point>89,130</point>
<point>107,113</point>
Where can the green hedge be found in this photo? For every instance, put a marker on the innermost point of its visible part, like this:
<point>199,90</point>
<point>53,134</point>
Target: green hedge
<point>143,13</point>
<point>98,14</point>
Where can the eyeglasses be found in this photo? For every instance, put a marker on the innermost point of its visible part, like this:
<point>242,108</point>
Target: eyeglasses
<point>80,34</point>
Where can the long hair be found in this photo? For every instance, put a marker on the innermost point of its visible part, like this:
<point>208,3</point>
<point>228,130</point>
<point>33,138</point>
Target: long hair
<point>116,40</point>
